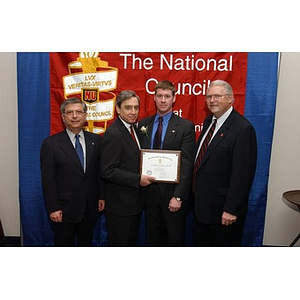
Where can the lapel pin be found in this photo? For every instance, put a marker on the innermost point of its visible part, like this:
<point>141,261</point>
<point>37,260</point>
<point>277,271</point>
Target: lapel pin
<point>221,135</point>
<point>173,131</point>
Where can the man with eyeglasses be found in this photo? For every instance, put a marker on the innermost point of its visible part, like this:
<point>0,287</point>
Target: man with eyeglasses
<point>224,168</point>
<point>167,203</point>
<point>72,186</point>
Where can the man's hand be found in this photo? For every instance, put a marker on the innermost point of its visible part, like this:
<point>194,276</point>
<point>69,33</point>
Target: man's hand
<point>228,219</point>
<point>174,205</point>
<point>101,205</point>
<point>56,216</point>
<point>146,180</point>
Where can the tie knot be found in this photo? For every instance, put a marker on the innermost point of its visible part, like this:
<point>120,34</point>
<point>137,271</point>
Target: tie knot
<point>160,119</point>
<point>77,136</point>
<point>214,122</point>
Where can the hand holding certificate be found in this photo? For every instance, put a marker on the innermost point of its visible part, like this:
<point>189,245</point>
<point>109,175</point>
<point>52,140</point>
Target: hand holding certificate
<point>164,165</point>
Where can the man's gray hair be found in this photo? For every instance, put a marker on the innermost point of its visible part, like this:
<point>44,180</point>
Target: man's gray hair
<point>73,100</point>
<point>223,83</point>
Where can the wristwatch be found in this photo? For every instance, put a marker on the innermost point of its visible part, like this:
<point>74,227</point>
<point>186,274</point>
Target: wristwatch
<point>178,199</point>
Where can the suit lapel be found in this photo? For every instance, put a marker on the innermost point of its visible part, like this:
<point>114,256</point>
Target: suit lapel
<point>89,147</point>
<point>147,138</point>
<point>67,146</point>
<point>171,132</point>
<point>219,136</point>
<point>127,136</point>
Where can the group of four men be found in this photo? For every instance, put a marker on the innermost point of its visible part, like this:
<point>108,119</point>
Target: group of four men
<point>216,173</point>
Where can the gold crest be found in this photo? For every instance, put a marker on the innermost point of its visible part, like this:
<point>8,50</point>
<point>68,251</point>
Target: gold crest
<point>95,80</point>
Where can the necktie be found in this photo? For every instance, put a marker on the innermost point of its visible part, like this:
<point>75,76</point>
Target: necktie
<point>132,134</point>
<point>79,149</point>
<point>202,152</point>
<point>158,134</point>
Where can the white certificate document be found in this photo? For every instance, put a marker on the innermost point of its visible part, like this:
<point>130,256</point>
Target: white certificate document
<point>164,165</point>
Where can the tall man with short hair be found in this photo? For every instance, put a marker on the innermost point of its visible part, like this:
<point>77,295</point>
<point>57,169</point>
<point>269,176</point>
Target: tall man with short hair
<point>166,203</point>
<point>224,168</point>
<point>72,186</point>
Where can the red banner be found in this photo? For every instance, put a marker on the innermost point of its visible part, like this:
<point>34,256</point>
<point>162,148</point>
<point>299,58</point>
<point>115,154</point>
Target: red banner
<point>97,78</point>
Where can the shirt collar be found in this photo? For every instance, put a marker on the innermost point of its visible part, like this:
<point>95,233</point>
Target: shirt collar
<point>127,125</point>
<point>166,118</point>
<point>72,134</point>
<point>222,119</point>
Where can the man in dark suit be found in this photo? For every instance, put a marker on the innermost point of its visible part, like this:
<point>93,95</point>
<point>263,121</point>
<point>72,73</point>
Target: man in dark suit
<point>166,203</point>
<point>120,165</point>
<point>73,190</point>
<point>223,174</point>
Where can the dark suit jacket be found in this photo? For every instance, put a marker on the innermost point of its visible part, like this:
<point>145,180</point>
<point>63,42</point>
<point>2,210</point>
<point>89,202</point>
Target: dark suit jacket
<point>120,163</point>
<point>65,185</point>
<point>180,135</point>
<point>226,172</point>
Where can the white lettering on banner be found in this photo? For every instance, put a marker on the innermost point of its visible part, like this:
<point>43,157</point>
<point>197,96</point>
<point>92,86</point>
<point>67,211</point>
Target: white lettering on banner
<point>198,127</point>
<point>189,63</point>
<point>103,81</point>
<point>183,88</point>
<point>100,111</point>
<point>137,62</point>
<point>178,112</point>
<point>192,89</point>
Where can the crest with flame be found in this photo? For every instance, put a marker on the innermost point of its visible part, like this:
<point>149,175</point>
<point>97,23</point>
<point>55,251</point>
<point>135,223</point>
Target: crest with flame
<point>95,80</point>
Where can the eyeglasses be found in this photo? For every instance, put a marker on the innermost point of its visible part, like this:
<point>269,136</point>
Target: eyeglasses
<point>72,112</point>
<point>215,96</point>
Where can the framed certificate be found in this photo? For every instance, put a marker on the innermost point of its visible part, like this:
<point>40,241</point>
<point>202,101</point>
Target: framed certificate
<point>164,165</point>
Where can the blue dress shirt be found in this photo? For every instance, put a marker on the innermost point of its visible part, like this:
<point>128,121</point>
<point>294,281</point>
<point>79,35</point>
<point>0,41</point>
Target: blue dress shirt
<point>166,119</point>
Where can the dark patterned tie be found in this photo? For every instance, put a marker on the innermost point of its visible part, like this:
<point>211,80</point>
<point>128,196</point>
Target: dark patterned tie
<point>79,149</point>
<point>158,134</point>
<point>202,152</point>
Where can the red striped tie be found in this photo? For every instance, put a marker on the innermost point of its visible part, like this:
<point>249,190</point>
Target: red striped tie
<point>132,134</point>
<point>202,152</point>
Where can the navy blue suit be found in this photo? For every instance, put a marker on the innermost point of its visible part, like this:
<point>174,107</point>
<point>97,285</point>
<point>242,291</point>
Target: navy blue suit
<point>225,175</point>
<point>65,185</point>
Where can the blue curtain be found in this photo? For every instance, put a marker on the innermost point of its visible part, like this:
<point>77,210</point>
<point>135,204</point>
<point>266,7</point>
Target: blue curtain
<point>34,120</point>
<point>34,126</point>
<point>261,92</point>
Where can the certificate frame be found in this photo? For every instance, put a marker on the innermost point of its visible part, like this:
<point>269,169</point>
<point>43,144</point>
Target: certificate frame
<point>164,165</point>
